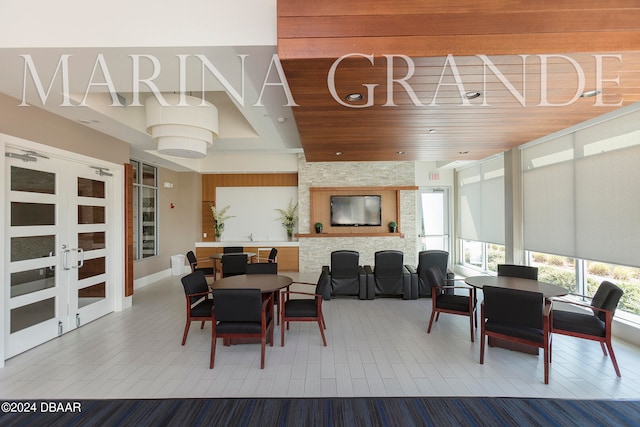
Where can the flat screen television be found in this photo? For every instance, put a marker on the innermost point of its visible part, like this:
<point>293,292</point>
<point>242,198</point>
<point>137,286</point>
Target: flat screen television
<point>353,211</point>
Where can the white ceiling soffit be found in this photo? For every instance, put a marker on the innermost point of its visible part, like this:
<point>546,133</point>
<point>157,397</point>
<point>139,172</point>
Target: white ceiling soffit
<point>249,93</point>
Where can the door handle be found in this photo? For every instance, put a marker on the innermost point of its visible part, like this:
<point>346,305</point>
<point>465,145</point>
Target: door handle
<point>65,259</point>
<point>80,261</point>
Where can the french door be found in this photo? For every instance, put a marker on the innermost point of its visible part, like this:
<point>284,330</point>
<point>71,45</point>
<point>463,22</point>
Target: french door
<point>434,216</point>
<point>58,252</point>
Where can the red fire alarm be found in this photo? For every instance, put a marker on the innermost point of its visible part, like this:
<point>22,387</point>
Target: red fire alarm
<point>172,206</point>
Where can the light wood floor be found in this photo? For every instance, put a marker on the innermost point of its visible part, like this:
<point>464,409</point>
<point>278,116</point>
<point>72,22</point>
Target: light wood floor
<point>375,348</point>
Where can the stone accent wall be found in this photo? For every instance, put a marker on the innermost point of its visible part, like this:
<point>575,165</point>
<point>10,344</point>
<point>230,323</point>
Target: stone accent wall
<point>316,252</point>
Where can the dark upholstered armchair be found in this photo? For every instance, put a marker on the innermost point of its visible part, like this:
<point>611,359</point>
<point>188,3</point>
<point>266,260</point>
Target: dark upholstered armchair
<point>427,259</point>
<point>594,323</point>
<point>521,271</point>
<point>306,307</point>
<point>242,313</point>
<point>345,276</point>
<point>519,316</point>
<point>390,277</point>
<point>444,299</point>
<point>199,302</point>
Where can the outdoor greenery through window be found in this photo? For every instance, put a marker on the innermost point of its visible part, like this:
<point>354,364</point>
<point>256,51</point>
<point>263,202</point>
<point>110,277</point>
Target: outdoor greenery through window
<point>482,256</point>
<point>582,277</point>
<point>145,218</point>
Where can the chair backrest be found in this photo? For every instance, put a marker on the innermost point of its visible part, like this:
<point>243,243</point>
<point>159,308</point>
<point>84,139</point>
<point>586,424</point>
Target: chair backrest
<point>323,282</point>
<point>262,268</point>
<point>234,264</point>
<point>237,305</point>
<point>194,283</point>
<point>430,258</point>
<point>607,297</point>
<point>344,263</point>
<point>232,249</point>
<point>435,277</point>
<point>193,262</point>
<point>388,263</point>
<point>521,271</point>
<point>273,254</point>
<point>515,307</point>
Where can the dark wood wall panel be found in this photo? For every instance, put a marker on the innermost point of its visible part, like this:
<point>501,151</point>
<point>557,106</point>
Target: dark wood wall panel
<point>128,229</point>
<point>211,181</point>
<point>312,35</point>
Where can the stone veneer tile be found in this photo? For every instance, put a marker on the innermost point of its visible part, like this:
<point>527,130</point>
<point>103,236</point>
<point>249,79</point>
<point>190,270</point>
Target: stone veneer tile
<point>316,252</point>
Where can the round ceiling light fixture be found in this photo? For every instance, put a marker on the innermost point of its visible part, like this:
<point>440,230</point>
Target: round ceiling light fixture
<point>473,95</point>
<point>590,93</point>
<point>183,126</point>
<point>354,97</point>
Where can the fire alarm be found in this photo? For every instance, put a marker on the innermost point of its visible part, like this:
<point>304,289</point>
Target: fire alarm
<point>172,206</point>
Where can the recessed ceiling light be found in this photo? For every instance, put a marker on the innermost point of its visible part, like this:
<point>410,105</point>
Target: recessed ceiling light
<point>400,153</point>
<point>338,153</point>
<point>431,130</point>
<point>590,93</point>
<point>282,119</point>
<point>354,97</point>
<point>84,122</point>
<point>463,152</point>
<point>472,95</point>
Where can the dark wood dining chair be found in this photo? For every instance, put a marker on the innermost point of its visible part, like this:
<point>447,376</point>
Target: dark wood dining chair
<point>519,316</point>
<point>207,266</point>
<point>445,300</point>
<point>234,264</point>
<point>521,271</point>
<point>307,308</point>
<point>267,268</point>
<point>242,313</point>
<point>594,323</point>
<point>199,301</point>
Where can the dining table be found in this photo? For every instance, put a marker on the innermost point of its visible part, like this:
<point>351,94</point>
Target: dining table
<point>548,290</point>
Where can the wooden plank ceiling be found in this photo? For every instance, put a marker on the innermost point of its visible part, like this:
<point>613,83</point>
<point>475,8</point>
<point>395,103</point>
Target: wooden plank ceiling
<point>529,61</point>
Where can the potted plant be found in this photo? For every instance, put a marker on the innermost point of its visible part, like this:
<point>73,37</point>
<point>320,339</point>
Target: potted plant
<point>318,227</point>
<point>393,227</point>
<point>219,217</point>
<point>288,217</point>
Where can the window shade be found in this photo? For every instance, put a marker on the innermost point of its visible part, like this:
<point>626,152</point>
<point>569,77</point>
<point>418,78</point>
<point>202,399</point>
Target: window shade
<point>481,202</point>
<point>581,193</point>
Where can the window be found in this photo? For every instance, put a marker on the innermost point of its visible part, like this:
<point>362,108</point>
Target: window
<point>145,218</point>
<point>482,256</point>
<point>582,277</point>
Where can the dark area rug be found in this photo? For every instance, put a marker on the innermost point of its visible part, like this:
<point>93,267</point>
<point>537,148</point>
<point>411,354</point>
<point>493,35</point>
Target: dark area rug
<point>418,411</point>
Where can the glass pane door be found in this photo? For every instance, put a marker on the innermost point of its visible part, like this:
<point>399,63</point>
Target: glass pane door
<point>34,230</point>
<point>434,212</point>
<point>57,266</point>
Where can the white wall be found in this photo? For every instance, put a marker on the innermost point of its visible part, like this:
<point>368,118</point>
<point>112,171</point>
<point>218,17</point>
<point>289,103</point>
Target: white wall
<point>254,211</point>
<point>121,23</point>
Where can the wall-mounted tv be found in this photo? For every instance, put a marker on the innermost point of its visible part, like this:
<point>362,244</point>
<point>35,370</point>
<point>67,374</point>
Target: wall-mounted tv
<point>353,211</point>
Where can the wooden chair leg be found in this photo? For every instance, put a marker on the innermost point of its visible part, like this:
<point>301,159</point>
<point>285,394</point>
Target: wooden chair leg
<point>433,313</point>
<point>262,350</point>
<point>282,332</point>
<point>213,349</point>
<point>186,331</point>
<point>613,359</point>
<point>604,350</point>
<point>202,325</point>
<point>482,340</point>
<point>324,341</point>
